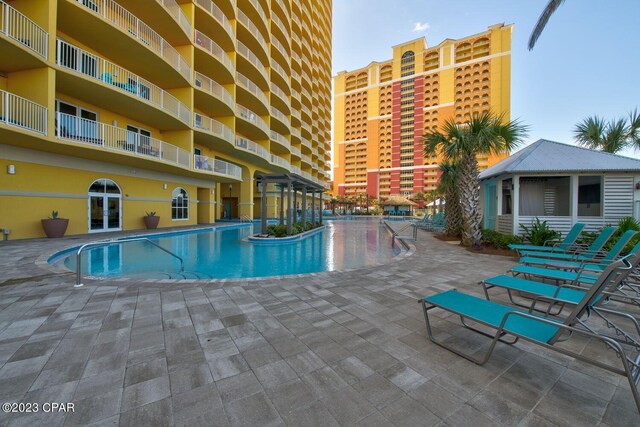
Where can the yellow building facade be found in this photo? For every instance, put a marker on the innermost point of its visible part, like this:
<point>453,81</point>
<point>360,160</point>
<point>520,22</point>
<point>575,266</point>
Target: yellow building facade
<point>113,109</point>
<point>382,111</point>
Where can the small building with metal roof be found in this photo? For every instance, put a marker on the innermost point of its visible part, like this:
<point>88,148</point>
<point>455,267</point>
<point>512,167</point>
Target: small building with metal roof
<point>561,184</point>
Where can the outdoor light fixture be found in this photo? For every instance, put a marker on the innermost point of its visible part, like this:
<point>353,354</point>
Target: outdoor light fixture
<point>230,188</point>
<point>11,169</point>
<point>164,186</point>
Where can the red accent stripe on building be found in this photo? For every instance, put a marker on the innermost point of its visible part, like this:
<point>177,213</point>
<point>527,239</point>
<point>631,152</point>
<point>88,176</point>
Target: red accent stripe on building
<point>372,184</point>
<point>418,120</point>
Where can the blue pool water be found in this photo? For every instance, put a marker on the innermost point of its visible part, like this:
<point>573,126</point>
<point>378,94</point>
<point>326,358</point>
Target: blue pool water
<point>225,253</point>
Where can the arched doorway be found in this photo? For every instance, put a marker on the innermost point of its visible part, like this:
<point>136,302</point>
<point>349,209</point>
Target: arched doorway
<point>105,206</point>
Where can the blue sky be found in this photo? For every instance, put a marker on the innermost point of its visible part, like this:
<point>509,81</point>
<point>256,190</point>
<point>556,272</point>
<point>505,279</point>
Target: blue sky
<point>586,62</point>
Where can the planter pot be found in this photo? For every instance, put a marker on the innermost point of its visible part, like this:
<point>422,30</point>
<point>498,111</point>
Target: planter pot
<point>55,227</point>
<point>151,222</point>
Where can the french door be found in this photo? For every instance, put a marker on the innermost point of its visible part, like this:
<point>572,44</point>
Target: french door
<point>105,207</point>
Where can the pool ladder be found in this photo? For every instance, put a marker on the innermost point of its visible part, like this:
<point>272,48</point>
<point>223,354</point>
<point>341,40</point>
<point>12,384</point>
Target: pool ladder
<point>413,237</point>
<point>111,242</point>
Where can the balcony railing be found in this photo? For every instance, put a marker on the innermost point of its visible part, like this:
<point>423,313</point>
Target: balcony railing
<point>250,146</point>
<point>96,134</point>
<point>178,15</point>
<point>20,112</point>
<point>275,89</point>
<point>252,87</point>
<point>280,116</point>
<point>17,26</point>
<point>218,166</point>
<point>306,110</point>
<point>275,42</point>
<point>280,70</point>
<point>218,15</point>
<point>306,143</point>
<point>280,162</point>
<point>81,61</point>
<point>295,132</point>
<point>280,139</point>
<point>296,169</point>
<point>247,53</point>
<point>244,19</point>
<point>282,27</point>
<point>250,116</point>
<point>214,88</point>
<point>213,127</point>
<point>256,5</point>
<point>213,48</point>
<point>295,56</point>
<point>306,158</point>
<point>125,20</point>
<point>284,8</point>
<point>295,150</point>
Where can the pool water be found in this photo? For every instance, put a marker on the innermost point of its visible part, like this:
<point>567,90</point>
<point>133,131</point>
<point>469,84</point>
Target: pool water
<point>225,253</point>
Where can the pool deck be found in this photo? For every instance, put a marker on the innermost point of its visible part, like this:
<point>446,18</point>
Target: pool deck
<point>340,348</point>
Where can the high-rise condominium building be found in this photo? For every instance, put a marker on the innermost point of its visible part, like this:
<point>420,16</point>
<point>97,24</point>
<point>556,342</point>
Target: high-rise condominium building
<point>111,109</point>
<point>382,111</point>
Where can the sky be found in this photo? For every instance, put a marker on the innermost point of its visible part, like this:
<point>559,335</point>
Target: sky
<point>586,62</point>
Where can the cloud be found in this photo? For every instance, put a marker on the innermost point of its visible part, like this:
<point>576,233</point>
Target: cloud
<point>420,27</point>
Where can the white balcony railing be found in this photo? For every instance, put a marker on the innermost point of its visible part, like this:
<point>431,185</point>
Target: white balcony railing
<point>17,26</point>
<point>178,15</point>
<point>125,20</point>
<point>20,112</point>
<point>284,8</point>
<point>295,150</point>
<point>88,64</point>
<point>251,57</point>
<point>282,27</point>
<point>252,87</point>
<point>250,146</point>
<point>92,133</point>
<point>257,6</point>
<point>296,169</point>
<point>248,115</point>
<point>244,19</point>
<point>212,126</point>
<point>217,14</point>
<point>295,56</point>
<point>306,143</point>
<point>200,39</point>
<point>306,158</point>
<point>275,89</point>
<point>275,42</point>
<point>217,166</point>
<point>280,70</point>
<point>214,88</point>
<point>276,160</point>
<point>280,139</point>
<point>296,132</point>
<point>306,110</point>
<point>280,116</point>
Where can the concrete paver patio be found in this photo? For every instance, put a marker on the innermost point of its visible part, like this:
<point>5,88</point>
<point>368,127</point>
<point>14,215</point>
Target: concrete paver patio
<point>329,349</point>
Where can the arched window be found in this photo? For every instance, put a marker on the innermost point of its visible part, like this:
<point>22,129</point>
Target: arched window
<point>179,204</point>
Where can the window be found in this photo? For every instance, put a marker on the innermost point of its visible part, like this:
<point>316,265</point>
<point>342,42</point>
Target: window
<point>590,196</point>
<point>139,140</point>
<point>545,196</point>
<point>179,204</point>
<point>76,123</point>
<point>507,197</point>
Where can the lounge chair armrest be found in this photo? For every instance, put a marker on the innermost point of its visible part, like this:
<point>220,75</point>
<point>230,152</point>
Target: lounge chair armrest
<point>553,242</point>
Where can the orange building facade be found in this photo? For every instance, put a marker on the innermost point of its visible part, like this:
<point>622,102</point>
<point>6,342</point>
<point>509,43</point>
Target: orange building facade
<point>382,111</point>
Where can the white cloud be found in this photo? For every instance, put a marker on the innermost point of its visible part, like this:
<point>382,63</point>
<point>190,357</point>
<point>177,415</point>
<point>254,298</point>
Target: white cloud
<point>420,27</point>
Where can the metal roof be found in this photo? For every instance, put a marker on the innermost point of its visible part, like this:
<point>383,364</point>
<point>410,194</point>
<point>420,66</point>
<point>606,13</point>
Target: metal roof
<point>545,156</point>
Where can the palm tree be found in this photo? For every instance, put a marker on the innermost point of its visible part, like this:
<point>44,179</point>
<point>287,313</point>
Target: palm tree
<point>552,6</point>
<point>611,137</point>
<point>484,133</point>
<point>449,186</point>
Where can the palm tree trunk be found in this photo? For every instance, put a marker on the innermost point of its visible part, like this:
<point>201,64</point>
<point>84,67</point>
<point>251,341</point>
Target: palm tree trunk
<point>453,213</point>
<point>470,200</point>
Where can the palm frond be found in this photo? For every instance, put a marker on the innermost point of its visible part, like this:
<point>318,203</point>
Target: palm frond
<point>590,132</point>
<point>549,10</point>
<point>615,138</point>
<point>634,128</point>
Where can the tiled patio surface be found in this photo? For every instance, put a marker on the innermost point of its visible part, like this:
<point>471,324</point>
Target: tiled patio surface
<point>345,348</point>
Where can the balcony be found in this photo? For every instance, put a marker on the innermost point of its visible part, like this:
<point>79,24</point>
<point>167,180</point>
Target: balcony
<point>280,76</point>
<point>104,136</point>
<point>222,67</point>
<point>212,127</point>
<point>250,34</point>
<point>251,125</point>
<point>167,17</point>
<point>217,166</point>
<point>281,99</point>
<point>280,51</point>
<point>257,100</point>
<point>251,147</point>
<point>215,19</point>
<point>280,28</point>
<point>282,122</point>
<point>150,53</point>
<point>249,62</point>
<point>279,161</point>
<point>113,79</point>
<point>306,159</point>
<point>307,143</point>
<point>212,96</point>
<point>258,14</point>
<point>295,151</point>
<point>280,139</point>
<point>24,34</point>
<point>284,9</point>
<point>19,112</point>
<point>295,132</point>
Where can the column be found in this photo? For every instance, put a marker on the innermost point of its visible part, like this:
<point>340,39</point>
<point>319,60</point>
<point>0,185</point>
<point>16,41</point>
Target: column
<point>245,201</point>
<point>295,206</point>
<point>290,209</point>
<point>263,206</point>
<point>304,207</point>
<point>313,207</point>
<point>281,216</point>
<point>321,206</point>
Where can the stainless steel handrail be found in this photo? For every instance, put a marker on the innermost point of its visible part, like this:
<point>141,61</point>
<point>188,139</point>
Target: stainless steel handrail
<point>111,242</point>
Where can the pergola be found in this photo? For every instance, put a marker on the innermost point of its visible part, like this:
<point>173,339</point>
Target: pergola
<point>293,184</point>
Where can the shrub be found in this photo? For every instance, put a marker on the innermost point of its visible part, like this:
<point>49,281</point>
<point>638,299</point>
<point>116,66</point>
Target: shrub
<point>539,232</point>
<point>499,240</point>
<point>277,230</point>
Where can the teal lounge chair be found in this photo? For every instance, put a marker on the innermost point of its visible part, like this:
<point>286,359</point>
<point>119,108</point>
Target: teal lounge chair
<point>509,322</point>
<point>591,252</point>
<point>597,263</point>
<point>564,245</point>
<point>423,221</point>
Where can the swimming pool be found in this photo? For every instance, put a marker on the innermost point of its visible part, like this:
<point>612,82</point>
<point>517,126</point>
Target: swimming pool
<point>223,252</point>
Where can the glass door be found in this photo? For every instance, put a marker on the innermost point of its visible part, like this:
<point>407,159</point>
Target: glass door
<point>105,206</point>
<point>112,214</point>
<point>96,212</point>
